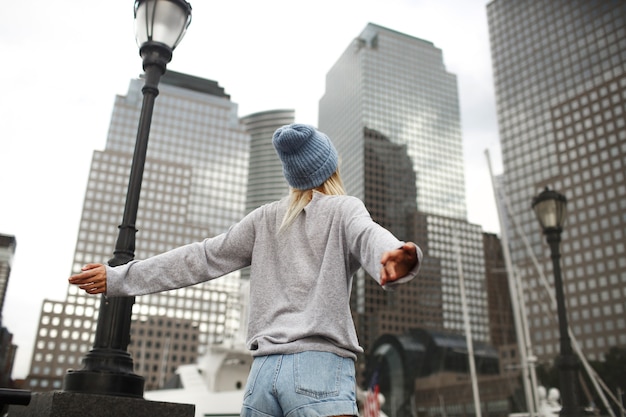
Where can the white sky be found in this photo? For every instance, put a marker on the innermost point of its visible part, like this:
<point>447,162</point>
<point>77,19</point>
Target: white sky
<point>64,62</point>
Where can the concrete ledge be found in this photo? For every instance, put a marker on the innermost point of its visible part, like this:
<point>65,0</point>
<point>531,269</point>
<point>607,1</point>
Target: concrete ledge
<point>69,404</point>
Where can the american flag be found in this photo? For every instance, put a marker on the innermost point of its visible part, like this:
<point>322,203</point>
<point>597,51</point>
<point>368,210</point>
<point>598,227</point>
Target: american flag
<point>371,408</point>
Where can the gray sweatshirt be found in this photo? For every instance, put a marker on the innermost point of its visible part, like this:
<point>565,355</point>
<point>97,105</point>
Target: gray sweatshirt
<point>300,278</point>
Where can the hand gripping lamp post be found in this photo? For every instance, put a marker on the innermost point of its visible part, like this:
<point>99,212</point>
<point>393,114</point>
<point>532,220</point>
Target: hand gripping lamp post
<point>550,208</point>
<point>108,367</point>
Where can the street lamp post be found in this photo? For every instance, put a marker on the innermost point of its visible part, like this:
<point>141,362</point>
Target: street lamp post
<point>108,367</point>
<point>550,208</point>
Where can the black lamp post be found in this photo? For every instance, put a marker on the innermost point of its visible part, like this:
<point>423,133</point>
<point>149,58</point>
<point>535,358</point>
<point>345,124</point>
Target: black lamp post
<point>108,367</point>
<point>550,208</point>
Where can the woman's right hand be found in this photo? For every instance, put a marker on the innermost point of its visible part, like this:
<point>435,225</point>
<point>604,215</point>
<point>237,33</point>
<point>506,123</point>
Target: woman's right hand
<point>398,263</point>
<point>92,279</point>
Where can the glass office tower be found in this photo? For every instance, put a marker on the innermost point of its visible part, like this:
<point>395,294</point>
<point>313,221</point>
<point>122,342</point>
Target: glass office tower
<point>560,80</point>
<point>194,187</point>
<point>397,85</point>
<point>391,108</point>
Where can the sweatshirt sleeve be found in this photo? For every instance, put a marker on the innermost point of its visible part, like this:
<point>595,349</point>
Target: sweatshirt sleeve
<point>368,241</point>
<point>186,265</point>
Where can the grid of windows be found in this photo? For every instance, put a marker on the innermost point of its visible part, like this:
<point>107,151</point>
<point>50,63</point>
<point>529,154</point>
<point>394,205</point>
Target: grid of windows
<point>64,335</point>
<point>160,345</point>
<point>560,76</point>
<point>193,187</point>
<point>454,242</point>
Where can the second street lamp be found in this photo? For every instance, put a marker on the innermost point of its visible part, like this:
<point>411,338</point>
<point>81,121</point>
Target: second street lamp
<point>108,368</point>
<point>550,208</point>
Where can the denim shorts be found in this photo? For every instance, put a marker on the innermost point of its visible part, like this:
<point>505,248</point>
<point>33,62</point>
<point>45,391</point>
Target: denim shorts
<point>306,384</point>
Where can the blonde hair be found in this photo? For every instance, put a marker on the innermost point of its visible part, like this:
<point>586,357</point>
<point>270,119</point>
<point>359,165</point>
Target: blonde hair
<point>300,198</point>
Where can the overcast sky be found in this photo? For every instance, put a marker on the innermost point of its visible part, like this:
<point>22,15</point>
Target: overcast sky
<point>64,62</point>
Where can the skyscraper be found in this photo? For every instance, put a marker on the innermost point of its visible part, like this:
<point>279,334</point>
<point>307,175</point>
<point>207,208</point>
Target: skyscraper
<point>392,110</point>
<point>398,86</point>
<point>266,182</point>
<point>194,187</point>
<point>560,79</point>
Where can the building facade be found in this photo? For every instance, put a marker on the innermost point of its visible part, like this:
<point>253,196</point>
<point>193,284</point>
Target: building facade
<point>392,110</point>
<point>8,243</point>
<point>501,320</point>
<point>194,186</point>
<point>560,79</point>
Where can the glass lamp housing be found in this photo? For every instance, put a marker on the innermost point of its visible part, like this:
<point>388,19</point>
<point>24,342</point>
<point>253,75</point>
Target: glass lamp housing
<point>550,209</point>
<point>161,21</point>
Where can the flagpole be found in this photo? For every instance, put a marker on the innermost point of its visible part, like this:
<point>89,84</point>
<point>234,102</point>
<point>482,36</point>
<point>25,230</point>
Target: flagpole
<point>522,343</point>
<point>468,331</point>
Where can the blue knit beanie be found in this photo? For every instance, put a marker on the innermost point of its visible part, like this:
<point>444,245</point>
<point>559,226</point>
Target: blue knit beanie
<point>308,156</point>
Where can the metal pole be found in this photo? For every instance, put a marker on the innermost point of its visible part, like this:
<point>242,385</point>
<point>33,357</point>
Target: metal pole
<point>14,396</point>
<point>468,332</point>
<point>567,361</point>
<point>108,367</point>
<point>517,299</point>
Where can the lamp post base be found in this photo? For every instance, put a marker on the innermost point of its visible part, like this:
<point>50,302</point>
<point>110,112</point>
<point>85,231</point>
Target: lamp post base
<point>104,383</point>
<point>69,404</point>
<point>568,365</point>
